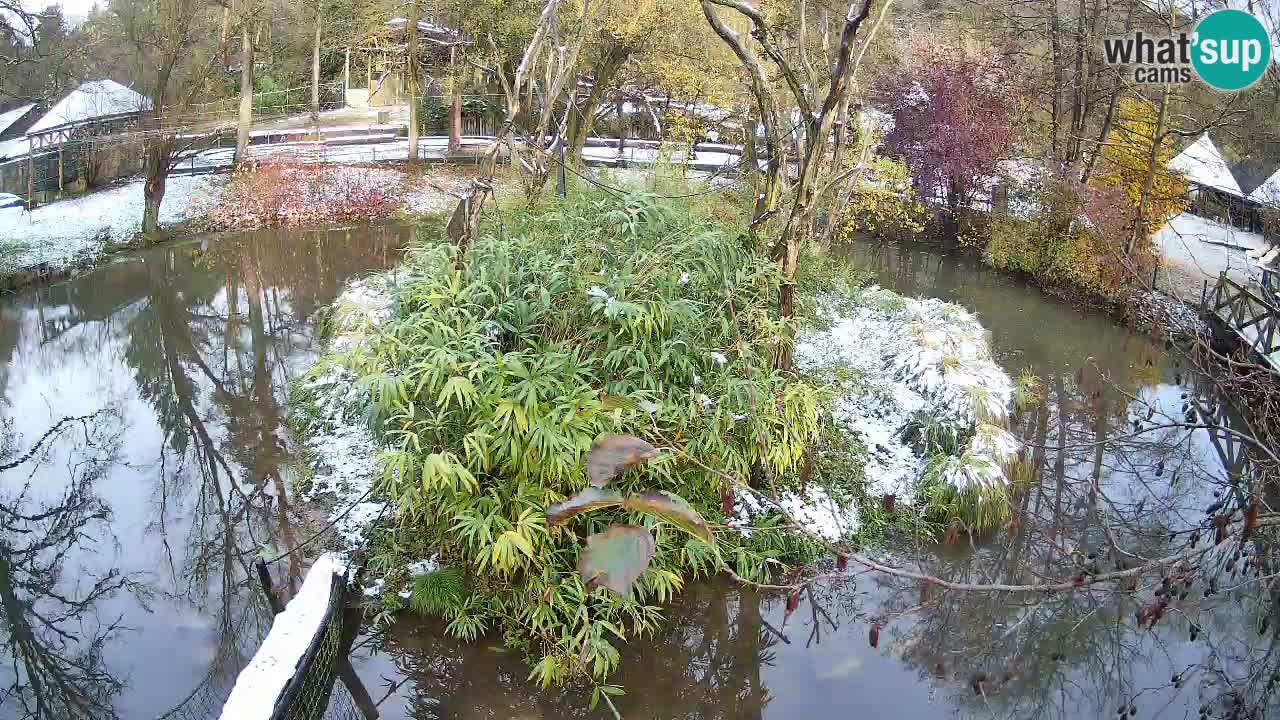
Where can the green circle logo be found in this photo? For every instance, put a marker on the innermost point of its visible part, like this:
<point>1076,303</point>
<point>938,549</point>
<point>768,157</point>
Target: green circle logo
<point>1231,51</point>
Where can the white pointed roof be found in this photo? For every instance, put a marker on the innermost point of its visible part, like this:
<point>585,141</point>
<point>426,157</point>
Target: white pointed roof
<point>90,101</point>
<point>1203,165</point>
<point>11,117</point>
<point>1268,193</point>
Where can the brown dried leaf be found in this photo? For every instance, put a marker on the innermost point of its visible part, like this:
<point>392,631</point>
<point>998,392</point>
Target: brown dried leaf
<point>613,454</point>
<point>616,557</point>
<point>591,498</point>
<point>673,509</point>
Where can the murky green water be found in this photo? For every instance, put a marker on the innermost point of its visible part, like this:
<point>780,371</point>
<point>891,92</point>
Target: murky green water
<point>138,531</point>
<point>126,540</point>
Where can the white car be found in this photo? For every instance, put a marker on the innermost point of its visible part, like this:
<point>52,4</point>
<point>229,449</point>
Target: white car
<point>8,200</point>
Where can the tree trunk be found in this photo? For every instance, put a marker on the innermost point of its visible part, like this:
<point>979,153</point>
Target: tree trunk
<point>1055,106</point>
<point>1153,158</point>
<point>411,78</point>
<point>315,66</point>
<point>455,104</point>
<point>223,56</point>
<point>1111,111</point>
<point>750,157</point>
<point>1078,98</point>
<point>246,91</point>
<point>583,117</point>
<point>157,175</point>
<point>1104,131</point>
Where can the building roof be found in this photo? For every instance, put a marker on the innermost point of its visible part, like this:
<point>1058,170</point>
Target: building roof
<point>12,116</point>
<point>1254,170</point>
<point>432,31</point>
<point>1268,193</point>
<point>1203,165</point>
<point>91,101</point>
<point>14,148</point>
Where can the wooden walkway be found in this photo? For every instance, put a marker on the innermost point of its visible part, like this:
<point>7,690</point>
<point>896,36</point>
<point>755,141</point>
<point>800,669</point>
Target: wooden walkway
<point>1253,317</point>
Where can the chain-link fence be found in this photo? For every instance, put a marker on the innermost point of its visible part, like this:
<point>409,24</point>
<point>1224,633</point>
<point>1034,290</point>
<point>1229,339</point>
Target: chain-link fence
<point>306,696</point>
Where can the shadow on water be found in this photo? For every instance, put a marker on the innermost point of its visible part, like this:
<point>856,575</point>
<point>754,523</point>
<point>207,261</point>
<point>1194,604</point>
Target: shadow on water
<point>1099,499</point>
<point>125,540</point>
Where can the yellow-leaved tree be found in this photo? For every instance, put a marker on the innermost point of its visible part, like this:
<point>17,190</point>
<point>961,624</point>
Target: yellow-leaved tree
<point>1128,167</point>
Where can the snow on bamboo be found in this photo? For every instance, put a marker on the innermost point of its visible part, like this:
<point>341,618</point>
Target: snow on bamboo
<point>921,362</point>
<point>901,364</point>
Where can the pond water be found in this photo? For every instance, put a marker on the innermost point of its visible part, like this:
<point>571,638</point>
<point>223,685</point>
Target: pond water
<point>125,541</point>
<point>727,652</point>
<point>128,540</point>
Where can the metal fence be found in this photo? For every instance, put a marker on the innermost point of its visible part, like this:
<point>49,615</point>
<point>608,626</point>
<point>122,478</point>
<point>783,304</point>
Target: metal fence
<point>306,696</point>
<point>273,103</point>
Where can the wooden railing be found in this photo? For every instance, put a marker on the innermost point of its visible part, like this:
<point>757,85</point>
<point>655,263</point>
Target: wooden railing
<point>1215,414</point>
<point>1250,315</point>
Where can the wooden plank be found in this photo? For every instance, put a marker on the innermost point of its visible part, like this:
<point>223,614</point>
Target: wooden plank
<point>1257,319</point>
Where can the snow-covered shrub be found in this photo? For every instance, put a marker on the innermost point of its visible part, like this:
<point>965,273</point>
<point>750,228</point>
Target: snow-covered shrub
<point>919,384</point>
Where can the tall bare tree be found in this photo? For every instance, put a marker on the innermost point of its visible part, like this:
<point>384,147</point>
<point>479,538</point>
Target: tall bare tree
<point>315,64</point>
<point>817,117</point>
<point>411,78</point>
<point>245,120</point>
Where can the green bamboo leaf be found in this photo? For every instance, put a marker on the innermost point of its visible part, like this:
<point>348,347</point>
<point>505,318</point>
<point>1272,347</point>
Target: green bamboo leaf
<point>616,557</point>
<point>613,454</point>
<point>591,498</point>
<point>615,402</point>
<point>673,509</point>
<point>516,539</point>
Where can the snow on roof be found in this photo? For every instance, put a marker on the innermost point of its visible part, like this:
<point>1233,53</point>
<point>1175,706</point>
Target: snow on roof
<point>16,147</point>
<point>92,100</point>
<point>431,31</point>
<point>1203,165</point>
<point>1268,193</point>
<point>264,678</point>
<point>13,116</point>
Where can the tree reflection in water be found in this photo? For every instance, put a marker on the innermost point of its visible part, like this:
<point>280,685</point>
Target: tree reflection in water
<point>706,664</point>
<point>51,631</point>
<point>199,341</point>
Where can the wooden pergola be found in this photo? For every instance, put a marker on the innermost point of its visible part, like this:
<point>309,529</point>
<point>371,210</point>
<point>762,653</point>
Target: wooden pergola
<point>385,51</point>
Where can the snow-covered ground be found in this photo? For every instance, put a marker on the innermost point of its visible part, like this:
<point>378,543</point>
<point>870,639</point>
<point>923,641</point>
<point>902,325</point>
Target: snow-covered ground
<point>71,232</point>
<point>383,145</point>
<point>344,451</point>
<point>1171,314</point>
<point>67,232</point>
<point>1197,249</point>
<point>897,361</point>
